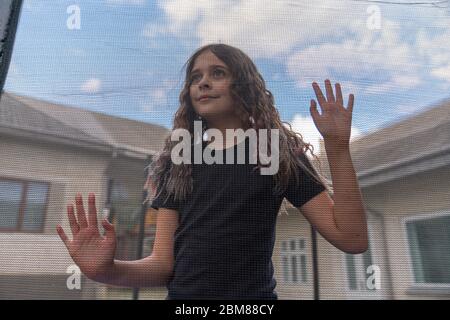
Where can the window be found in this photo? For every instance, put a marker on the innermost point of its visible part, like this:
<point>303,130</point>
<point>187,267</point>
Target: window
<point>23,205</point>
<point>293,260</point>
<point>357,267</point>
<point>126,215</point>
<point>429,245</point>
<point>128,240</point>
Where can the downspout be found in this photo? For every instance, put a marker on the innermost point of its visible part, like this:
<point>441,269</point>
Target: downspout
<point>143,215</point>
<point>315,263</point>
<point>108,211</point>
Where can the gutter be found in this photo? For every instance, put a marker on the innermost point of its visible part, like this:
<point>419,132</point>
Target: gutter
<point>129,151</point>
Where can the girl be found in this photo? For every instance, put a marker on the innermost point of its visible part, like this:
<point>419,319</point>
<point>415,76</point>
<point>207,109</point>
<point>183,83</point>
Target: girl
<point>216,222</point>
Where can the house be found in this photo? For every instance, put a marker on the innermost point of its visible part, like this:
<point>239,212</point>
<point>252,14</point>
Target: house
<point>49,152</point>
<point>404,175</point>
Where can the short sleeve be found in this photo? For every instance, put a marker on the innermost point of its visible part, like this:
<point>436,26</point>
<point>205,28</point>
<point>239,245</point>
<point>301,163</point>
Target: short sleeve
<point>307,187</point>
<point>162,201</point>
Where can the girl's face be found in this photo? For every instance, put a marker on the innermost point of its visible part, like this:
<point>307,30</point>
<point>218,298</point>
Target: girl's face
<point>211,77</point>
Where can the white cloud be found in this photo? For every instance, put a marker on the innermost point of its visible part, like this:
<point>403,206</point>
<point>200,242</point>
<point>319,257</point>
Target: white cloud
<point>442,72</point>
<point>371,54</point>
<point>92,85</point>
<point>148,108</point>
<point>408,109</point>
<point>307,129</point>
<point>262,28</point>
<point>436,51</point>
<point>158,96</point>
<point>396,82</point>
<point>293,33</point>
<point>152,30</point>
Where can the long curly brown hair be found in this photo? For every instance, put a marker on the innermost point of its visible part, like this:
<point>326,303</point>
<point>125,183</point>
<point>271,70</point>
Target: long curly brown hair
<point>254,104</point>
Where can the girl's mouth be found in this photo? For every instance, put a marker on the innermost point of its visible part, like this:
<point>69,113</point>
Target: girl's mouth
<point>207,99</point>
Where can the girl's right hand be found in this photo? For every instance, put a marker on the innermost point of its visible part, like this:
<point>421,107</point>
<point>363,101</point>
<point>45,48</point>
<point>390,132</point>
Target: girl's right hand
<point>92,252</point>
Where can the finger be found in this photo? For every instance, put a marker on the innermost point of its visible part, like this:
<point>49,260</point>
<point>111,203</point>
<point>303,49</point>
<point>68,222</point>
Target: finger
<point>74,227</point>
<point>109,230</point>
<point>329,90</point>
<point>313,109</point>
<point>339,98</point>
<point>319,94</point>
<point>81,215</point>
<point>92,211</point>
<point>62,235</point>
<point>351,100</point>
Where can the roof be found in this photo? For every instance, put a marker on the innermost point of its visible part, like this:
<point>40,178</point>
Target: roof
<point>422,135</point>
<point>76,124</point>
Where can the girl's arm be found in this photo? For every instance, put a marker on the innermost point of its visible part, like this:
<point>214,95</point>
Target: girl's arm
<point>348,209</point>
<point>155,269</point>
<point>146,272</point>
<point>94,253</point>
<point>340,220</point>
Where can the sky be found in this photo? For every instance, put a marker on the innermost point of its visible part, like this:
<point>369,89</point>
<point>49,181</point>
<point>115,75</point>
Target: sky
<point>126,57</point>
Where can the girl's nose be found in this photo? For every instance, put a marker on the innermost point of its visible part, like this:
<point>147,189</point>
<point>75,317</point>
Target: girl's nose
<point>204,85</point>
<point>204,82</point>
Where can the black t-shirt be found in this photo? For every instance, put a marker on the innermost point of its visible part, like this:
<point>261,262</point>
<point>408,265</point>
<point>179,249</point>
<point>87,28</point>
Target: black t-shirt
<point>224,243</point>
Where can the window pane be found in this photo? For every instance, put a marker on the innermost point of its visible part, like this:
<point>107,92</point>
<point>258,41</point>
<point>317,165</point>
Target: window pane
<point>285,269</point>
<point>35,207</point>
<point>301,244</point>
<point>303,265</point>
<point>10,194</point>
<point>367,258</point>
<point>293,247</point>
<point>351,272</point>
<point>432,239</point>
<point>126,206</point>
<point>415,254</point>
<point>294,268</point>
<point>283,246</point>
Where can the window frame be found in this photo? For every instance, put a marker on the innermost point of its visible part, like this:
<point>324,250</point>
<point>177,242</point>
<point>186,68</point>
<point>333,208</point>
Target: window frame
<point>366,293</point>
<point>21,214</point>
<point>298,253</point>
<point>418,217</point>
<point>124,252</point>
<point>358,260</point>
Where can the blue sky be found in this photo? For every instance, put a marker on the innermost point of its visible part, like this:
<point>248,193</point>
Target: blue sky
<point>127,56</point>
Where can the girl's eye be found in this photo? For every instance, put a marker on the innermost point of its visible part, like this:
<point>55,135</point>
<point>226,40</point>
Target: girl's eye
<point>196,77</point>
<point>193,78</point>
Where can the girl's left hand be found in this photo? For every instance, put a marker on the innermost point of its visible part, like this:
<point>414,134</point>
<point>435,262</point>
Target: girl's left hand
<point>334,124</point>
